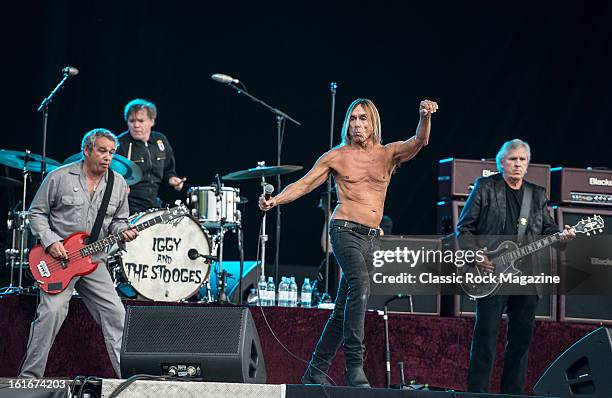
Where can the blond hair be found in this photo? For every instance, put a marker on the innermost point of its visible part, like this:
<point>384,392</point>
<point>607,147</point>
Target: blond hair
<point>373,117</point>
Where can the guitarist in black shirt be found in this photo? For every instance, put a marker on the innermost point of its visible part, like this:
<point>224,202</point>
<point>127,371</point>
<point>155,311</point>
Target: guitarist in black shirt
<point>495,208</point>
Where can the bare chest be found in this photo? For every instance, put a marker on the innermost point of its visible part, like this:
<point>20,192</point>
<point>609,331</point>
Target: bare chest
<point>364,168</point>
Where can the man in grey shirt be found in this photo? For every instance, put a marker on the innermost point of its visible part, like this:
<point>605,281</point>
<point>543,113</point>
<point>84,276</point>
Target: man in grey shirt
<point>68,202</point>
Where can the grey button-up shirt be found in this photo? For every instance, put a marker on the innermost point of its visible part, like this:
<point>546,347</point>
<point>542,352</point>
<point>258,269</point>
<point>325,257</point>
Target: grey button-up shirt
<point>63,206</point>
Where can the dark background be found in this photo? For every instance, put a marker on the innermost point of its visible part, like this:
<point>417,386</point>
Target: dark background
<point>539,71</point>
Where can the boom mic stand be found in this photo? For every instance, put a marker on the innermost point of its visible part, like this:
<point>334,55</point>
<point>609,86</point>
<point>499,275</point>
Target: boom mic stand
<point>281,117</point>
<point>44,108</point>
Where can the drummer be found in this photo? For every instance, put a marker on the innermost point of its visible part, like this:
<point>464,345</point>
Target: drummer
<point>151,151</point>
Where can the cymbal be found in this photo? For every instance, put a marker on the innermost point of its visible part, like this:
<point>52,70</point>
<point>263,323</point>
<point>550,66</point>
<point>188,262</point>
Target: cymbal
<point>10,182</point>
<point>17,159</point>
<point>261,171</point>
<point>130,172</point>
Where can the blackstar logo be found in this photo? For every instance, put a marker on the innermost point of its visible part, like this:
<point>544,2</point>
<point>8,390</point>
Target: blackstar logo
<point>601,261</point>
<point>486,173</point>
<point>604,182</point>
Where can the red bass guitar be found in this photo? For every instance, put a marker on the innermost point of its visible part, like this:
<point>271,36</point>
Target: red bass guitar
<point>54,275</point>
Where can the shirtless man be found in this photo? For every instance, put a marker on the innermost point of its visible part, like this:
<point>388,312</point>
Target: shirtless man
<point>362,169</point>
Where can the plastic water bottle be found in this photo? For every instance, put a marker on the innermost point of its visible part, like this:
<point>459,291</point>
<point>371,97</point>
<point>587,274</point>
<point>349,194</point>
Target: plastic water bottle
<point>293,295</point>
<point>262,291</point>
<point>306,293</point>
<point>283,293</point>
<point>271,293</point>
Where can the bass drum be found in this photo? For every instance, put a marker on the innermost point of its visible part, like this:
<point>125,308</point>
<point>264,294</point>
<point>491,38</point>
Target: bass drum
<point>157,264</point>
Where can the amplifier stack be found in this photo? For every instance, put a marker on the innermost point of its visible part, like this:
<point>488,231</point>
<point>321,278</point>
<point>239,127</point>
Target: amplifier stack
<point>574,194</point>
<point>579,193</point>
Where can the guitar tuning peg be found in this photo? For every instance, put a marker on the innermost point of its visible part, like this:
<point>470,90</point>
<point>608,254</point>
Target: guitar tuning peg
<point>588,234</point>
<point>600,230</point>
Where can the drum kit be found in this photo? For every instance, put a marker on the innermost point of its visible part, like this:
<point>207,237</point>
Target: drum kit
<point>167,262</point>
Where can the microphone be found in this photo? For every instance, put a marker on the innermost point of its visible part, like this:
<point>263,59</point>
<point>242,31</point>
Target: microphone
<point>267,191</point>
<point>193,254</point>
<point>221,78</point>
<point>70,71</point>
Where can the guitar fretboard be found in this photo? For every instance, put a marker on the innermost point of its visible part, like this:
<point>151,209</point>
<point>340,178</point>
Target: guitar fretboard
<point>102,244</point>
<point>531,248</point>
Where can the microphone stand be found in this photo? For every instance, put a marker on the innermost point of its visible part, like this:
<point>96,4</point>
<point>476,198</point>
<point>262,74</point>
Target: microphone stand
<point>263,236</point>
<point>386,322</point>
<point>326,297</point>
<point>44,108</point>
<point>280,124</point>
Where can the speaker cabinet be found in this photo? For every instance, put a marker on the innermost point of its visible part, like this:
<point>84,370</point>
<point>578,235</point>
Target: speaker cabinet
<point>218,343</point>
<point>583,370</point>
<point>592,255</point>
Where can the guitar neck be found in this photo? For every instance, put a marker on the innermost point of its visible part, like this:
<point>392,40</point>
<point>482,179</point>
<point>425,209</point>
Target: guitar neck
<point>533,247</point>
<point>110,240</point>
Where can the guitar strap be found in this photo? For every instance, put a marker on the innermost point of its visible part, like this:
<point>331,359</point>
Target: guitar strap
<point>95,232</point>
<point>524,216</point>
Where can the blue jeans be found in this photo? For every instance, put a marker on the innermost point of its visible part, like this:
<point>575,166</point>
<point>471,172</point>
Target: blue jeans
<point>354,254</point>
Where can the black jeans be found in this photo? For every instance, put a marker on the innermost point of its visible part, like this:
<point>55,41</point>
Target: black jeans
<point>521,315</point>
<point>354,254</point>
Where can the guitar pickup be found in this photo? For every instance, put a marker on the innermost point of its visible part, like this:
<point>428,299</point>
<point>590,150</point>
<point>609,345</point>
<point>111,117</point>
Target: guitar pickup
<point>43,270</point>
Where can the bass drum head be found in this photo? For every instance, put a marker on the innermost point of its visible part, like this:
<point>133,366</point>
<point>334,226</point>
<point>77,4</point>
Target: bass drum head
<point>156,263</point>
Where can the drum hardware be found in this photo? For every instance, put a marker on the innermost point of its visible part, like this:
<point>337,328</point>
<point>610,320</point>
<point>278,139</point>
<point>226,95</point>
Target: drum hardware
<point>260,172</point>
<point>27,162</point>
<point>215,208</point>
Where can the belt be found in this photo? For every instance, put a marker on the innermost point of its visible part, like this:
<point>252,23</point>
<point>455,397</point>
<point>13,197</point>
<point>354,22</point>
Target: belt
<point>356,227</point>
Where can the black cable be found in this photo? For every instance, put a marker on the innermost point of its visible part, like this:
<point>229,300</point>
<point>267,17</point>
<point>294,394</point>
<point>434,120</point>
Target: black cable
<point>307,363</point>
<point>87,380</point>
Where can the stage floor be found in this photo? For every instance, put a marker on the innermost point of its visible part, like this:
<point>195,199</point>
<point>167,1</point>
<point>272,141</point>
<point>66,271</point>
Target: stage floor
<point>434,349</point>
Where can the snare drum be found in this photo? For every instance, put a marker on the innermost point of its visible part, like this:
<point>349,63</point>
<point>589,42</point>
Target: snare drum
<point>157,264</point>
<point>211,211</point>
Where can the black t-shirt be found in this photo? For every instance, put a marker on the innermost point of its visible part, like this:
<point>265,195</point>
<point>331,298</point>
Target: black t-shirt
<point>514,199</point>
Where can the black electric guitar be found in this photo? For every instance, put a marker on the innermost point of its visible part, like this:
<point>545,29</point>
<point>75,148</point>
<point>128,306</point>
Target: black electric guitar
<point>506,256</point>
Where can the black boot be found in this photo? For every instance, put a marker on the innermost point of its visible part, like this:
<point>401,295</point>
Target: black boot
<point>316,373</point>
<point>355,377</point>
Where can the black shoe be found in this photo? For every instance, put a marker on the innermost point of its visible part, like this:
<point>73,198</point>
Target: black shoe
<point>315,376</point>
<point>355,377</point>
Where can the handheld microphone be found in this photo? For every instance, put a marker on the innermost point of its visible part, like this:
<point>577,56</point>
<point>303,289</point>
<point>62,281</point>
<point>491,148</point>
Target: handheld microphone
<point>225,79</point>
<point>70,71</point>
<point>267,191</point>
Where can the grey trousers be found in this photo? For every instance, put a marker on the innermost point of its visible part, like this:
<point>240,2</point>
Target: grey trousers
<point>99,295</point>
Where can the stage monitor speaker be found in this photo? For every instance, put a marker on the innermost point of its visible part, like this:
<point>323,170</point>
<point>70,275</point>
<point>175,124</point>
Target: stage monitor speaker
<point>583,370</point>
<point>448,216</point>
<point>220,343</point>
<point>594,256</point>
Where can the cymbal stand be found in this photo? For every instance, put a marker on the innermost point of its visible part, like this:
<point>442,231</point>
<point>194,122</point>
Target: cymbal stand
<point>22,221</point>
<point>240,253</point>
<point>221,296</point>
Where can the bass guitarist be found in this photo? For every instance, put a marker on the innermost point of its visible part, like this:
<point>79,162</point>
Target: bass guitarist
<point>67,202</point>
<point>505,205</point>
